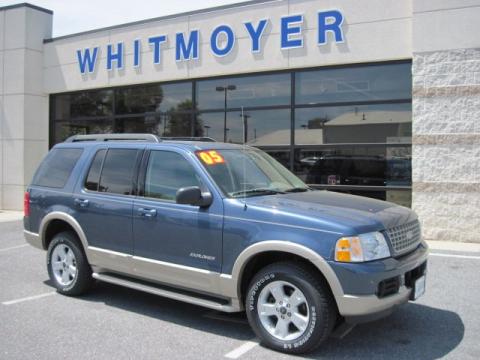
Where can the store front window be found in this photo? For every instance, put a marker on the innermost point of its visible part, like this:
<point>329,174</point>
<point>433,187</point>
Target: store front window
<point>341,128</point>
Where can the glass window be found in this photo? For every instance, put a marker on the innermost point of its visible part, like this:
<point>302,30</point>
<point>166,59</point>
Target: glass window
<point>260,90</point>
<point>93,177</point>
<point>154,98</point>
<point>65,129</point>
<point>57,167</point>
<point>355,165</point>
<point>252,172</point>
<point>162,124</point>
<point>389,123</point>
<point>118,171</point>
<point>166,173</point>
<point>363,83</point>
<point>84,104</point>
<point>263,127</point>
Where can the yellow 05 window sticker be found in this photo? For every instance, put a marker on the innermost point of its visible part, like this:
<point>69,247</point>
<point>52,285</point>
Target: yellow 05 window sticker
<point>210,157</point>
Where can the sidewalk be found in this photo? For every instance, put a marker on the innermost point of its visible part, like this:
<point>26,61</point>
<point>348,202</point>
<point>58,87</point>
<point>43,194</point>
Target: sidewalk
<point>6,215</point>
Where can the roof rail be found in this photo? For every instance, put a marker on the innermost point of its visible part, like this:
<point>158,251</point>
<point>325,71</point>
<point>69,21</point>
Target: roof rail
<point>114,137</point>
<point>187,138</point>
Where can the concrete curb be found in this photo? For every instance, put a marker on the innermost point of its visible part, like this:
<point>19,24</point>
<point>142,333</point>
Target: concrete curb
<point>7,216</point>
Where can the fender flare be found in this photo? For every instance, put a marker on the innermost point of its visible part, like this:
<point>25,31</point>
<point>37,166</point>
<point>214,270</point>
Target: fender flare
<point>70,220</point>
<point>287,247</point>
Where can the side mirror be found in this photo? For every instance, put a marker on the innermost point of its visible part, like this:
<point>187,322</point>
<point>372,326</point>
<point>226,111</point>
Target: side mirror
<point>193,196</point>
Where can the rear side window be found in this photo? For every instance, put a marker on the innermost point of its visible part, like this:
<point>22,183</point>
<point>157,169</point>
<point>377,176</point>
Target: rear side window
<point>93,177</point>
<point>112,171</point>
<point>57,167</point>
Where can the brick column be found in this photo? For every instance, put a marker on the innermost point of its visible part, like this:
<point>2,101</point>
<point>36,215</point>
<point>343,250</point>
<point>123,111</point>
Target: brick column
<point>446,119</point>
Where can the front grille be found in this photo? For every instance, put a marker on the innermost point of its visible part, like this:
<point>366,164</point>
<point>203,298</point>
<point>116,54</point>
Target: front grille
<point>405,237</point>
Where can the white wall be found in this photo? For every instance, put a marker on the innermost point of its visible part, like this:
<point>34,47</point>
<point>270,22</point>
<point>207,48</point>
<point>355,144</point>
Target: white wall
<point>23,103</point>
<point>374,30</point>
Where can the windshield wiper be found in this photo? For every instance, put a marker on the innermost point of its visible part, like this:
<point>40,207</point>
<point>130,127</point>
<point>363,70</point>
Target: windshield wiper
<point>297,189</point>
<point>258,191</point>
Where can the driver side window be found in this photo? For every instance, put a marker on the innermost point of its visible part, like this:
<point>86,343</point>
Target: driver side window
<point>166,173</point>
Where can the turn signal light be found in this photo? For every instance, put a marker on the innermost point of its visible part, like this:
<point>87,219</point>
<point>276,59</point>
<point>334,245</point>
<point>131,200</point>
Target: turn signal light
<point>348,249</point>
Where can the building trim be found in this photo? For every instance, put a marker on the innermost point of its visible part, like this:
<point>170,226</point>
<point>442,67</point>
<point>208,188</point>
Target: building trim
<point>163,18</point>
<point>446,187</point>
<point>27,5</point>
<point>456,90</point>
<point>446,139</point>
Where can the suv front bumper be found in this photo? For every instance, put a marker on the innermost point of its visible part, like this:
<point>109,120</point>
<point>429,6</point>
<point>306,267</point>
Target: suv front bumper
<point>362,300</point>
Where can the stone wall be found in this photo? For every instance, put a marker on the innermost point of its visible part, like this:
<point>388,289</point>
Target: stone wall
<point>446,143</point>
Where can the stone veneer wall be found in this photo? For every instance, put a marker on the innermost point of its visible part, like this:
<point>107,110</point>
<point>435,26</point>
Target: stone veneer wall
<point>446,143</point>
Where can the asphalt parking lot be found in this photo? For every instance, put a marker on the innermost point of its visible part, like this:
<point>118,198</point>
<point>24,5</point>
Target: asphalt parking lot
<point>116,323</point>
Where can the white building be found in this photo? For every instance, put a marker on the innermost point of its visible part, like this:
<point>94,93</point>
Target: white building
<point>374,97</point>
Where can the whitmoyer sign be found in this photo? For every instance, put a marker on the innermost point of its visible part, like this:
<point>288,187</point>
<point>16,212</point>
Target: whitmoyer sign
<point>221,41</point>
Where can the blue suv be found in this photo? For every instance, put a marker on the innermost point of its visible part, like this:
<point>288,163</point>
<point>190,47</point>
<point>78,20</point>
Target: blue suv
<point>222,226</point>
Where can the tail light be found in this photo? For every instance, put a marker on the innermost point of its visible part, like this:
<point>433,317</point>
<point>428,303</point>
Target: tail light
<point>26,204</point>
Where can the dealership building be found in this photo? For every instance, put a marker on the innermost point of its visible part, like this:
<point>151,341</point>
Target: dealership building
<point>379,98</point>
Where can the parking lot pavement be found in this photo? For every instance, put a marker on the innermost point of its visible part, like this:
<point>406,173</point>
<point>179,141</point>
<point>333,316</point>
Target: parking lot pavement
<point>117,323</point>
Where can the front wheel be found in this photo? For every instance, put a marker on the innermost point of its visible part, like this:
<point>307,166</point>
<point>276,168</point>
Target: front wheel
<point>290,308</point>
<point>67,265</point>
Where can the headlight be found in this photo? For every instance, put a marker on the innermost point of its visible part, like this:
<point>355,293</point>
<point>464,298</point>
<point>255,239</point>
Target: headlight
<point>364,247</point>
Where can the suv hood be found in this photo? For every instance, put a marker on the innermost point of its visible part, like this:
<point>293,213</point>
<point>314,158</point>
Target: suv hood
<point>333,211</point>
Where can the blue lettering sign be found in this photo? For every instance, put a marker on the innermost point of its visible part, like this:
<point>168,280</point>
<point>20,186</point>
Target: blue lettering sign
<point>330,21</point>
<point>222,41</point>
<point>87,60</point>
<point>222,29</point>
<point>157,41</point>
<point>291,26</point>
<point>187,51</point>
<point>136,53</point>
<point>117,57</point>
<point>256,33</point>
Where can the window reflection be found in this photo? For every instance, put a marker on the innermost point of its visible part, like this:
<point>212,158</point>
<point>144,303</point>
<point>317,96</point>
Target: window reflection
<point>154,98</point>
<point>363,83</point>
<point>390,123</point>
<point>162,124</point>
<point>63,130</point>
<point>84,104</point>
<point>262,90</point>
<point>262,127</point>
<point>355,165</point>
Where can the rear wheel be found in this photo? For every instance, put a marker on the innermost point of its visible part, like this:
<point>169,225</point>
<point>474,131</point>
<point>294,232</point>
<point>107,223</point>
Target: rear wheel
<point>290,308</point>
<point>67,265</point>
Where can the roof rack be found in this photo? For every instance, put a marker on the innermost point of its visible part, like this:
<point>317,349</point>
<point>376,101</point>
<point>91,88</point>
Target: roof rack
<point>187,138</point>
<point>114,137</point>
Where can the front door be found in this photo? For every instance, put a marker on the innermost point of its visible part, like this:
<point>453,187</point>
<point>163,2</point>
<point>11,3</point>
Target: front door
<point>175,243</point>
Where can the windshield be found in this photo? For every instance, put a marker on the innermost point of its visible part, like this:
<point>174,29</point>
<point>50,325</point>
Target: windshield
<point>249,172</point>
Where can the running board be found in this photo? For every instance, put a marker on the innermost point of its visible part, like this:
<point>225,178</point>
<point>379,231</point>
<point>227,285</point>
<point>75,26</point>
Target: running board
<point>157,290</point>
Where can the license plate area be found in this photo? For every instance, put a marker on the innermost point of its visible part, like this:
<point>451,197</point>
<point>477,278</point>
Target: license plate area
<point>418,288</point>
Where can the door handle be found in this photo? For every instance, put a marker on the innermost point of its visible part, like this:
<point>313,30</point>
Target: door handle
<point>148,213</point>
<point>81,202</point>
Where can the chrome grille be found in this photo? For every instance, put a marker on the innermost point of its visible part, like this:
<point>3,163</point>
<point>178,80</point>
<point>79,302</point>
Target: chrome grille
<point>405,237</point>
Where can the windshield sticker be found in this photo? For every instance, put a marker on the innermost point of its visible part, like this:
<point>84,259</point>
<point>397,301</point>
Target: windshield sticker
<point>210,157</point>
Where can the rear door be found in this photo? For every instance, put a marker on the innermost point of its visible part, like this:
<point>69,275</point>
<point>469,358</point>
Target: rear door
<point>104,202</point>
<point>175,243</point>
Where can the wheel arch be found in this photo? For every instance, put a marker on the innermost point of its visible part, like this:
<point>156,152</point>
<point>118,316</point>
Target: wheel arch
<point>282,248</point>
<point>61,221</point>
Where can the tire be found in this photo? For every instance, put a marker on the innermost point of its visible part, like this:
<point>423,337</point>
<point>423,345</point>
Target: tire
<point>67,265</point>
<point>308,316</point>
